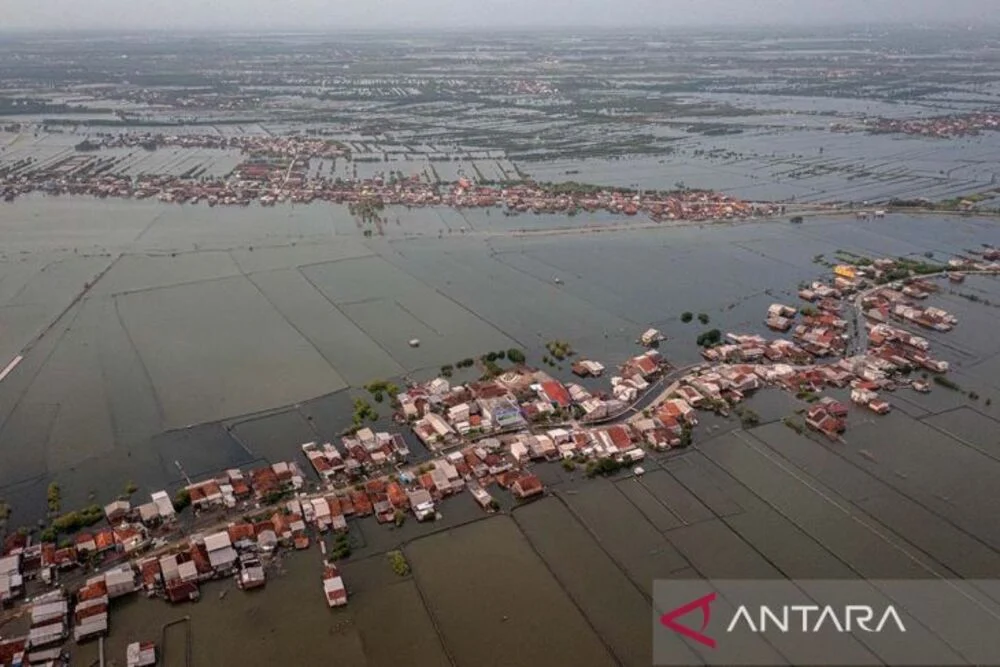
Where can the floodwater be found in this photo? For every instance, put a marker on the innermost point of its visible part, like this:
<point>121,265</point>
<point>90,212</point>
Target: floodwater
<point>146,328</point>
<point>155,336</point>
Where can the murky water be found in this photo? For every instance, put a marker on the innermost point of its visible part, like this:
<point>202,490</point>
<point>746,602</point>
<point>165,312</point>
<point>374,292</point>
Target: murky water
<point>137,319</point>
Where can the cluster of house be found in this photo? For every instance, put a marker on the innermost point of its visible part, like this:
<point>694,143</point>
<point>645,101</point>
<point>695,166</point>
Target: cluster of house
<point>255,146</point>
<point>885,303</point>
<point>54,616</point>
<point>278,170</point>
<point>752,348</point>
<point>131,529</point>
<point>959,125</point>
<point>443,415</point>
<point>362,454</point>
<point>821,332</point>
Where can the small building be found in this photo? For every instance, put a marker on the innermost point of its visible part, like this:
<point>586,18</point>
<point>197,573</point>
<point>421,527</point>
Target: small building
<point>333,586</point>
<point>140,654</point>
<point>149,513</point>
<point>421,503</point>
<point>120,581</point>
<point>117,510</point>
<point>221,554</point>
<point>879,407</point>
<point>182,591</point>
<point>527,486</point>
<point>651,337</point>
<point>164,505</point>
<point>251,573</point>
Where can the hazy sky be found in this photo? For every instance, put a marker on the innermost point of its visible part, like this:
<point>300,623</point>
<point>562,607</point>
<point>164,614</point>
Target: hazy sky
<point>479,13</point>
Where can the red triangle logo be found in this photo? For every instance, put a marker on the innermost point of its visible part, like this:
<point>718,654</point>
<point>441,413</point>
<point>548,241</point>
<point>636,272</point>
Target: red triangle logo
<point>669,620</point>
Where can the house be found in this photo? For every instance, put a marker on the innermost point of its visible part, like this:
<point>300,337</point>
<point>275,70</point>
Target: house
<point>117,510</point>
<point>85,544</point>
<point>140,654</point>
<point>650,337</point>
<point>241,532</point>
<point>180,591</point>
<point>833,406</point>
<point>164,505</point>
<point>645,365</point>
<point>220,550</point>
<point>397,497</point>
<point>130,538</point>
<point>555,393</point>
<point>267,540</point>
<point>421,503</point>
<point>680,410</point>
<point>527,486</point>
<point>104,540</point>
<point>11,580</point>
<point>149,514</point>
<point>879,407</point>
<point>149,572</point>
<point>333,586</point>
<point>120,581</point>
<point>251,573</point>
<point>820,420</point>
<point>691,396</point>
<point>384,511</point>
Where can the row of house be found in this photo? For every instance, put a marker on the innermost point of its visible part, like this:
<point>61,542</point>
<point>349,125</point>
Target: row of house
<point>363,453</point>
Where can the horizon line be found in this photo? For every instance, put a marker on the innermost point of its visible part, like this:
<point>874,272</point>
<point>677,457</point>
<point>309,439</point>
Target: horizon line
<point>958,23</point>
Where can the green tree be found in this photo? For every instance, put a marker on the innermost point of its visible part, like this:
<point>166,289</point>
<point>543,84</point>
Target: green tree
<point>686,317</point>
<point>515,355</point>
<point>182,499</point>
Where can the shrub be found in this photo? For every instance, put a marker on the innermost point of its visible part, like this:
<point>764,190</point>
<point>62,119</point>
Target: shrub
<point>182,499</point>
<point>686,317</point>
<point>946,383</point>
<point>53,496</point>
<point>515,355</point>
<point>399,563</point>
<point>710,338</point>
<point>703,318</point>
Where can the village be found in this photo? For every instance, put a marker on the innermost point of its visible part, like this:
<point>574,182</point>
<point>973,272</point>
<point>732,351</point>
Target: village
<point>853,333</point>
<point>940,127</point>
<point>277,170</point>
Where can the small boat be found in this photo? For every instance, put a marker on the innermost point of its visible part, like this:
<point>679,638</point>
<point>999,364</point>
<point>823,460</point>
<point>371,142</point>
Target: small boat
<point>414,342</point>
<point>557,281</point>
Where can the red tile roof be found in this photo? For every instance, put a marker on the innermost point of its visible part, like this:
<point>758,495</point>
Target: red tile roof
<point>527,485</point>
<point>557,393</point>
<point>241,531</point>
<point>620,437</point>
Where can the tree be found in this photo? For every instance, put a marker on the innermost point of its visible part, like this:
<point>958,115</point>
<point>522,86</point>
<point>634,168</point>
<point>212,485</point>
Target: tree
<point>182,499</point>
<point>686,317</point>
<point>710,338</point>
<point>398,563</point>
<point>703,318</point>
<point>130,488</point>
<point>515,355</point>
<point>53,496</point>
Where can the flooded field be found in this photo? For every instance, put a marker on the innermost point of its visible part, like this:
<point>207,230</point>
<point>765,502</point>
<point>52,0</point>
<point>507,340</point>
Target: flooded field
<point>138,319</point>
<point>484,584</point>
<point>288,622</point>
